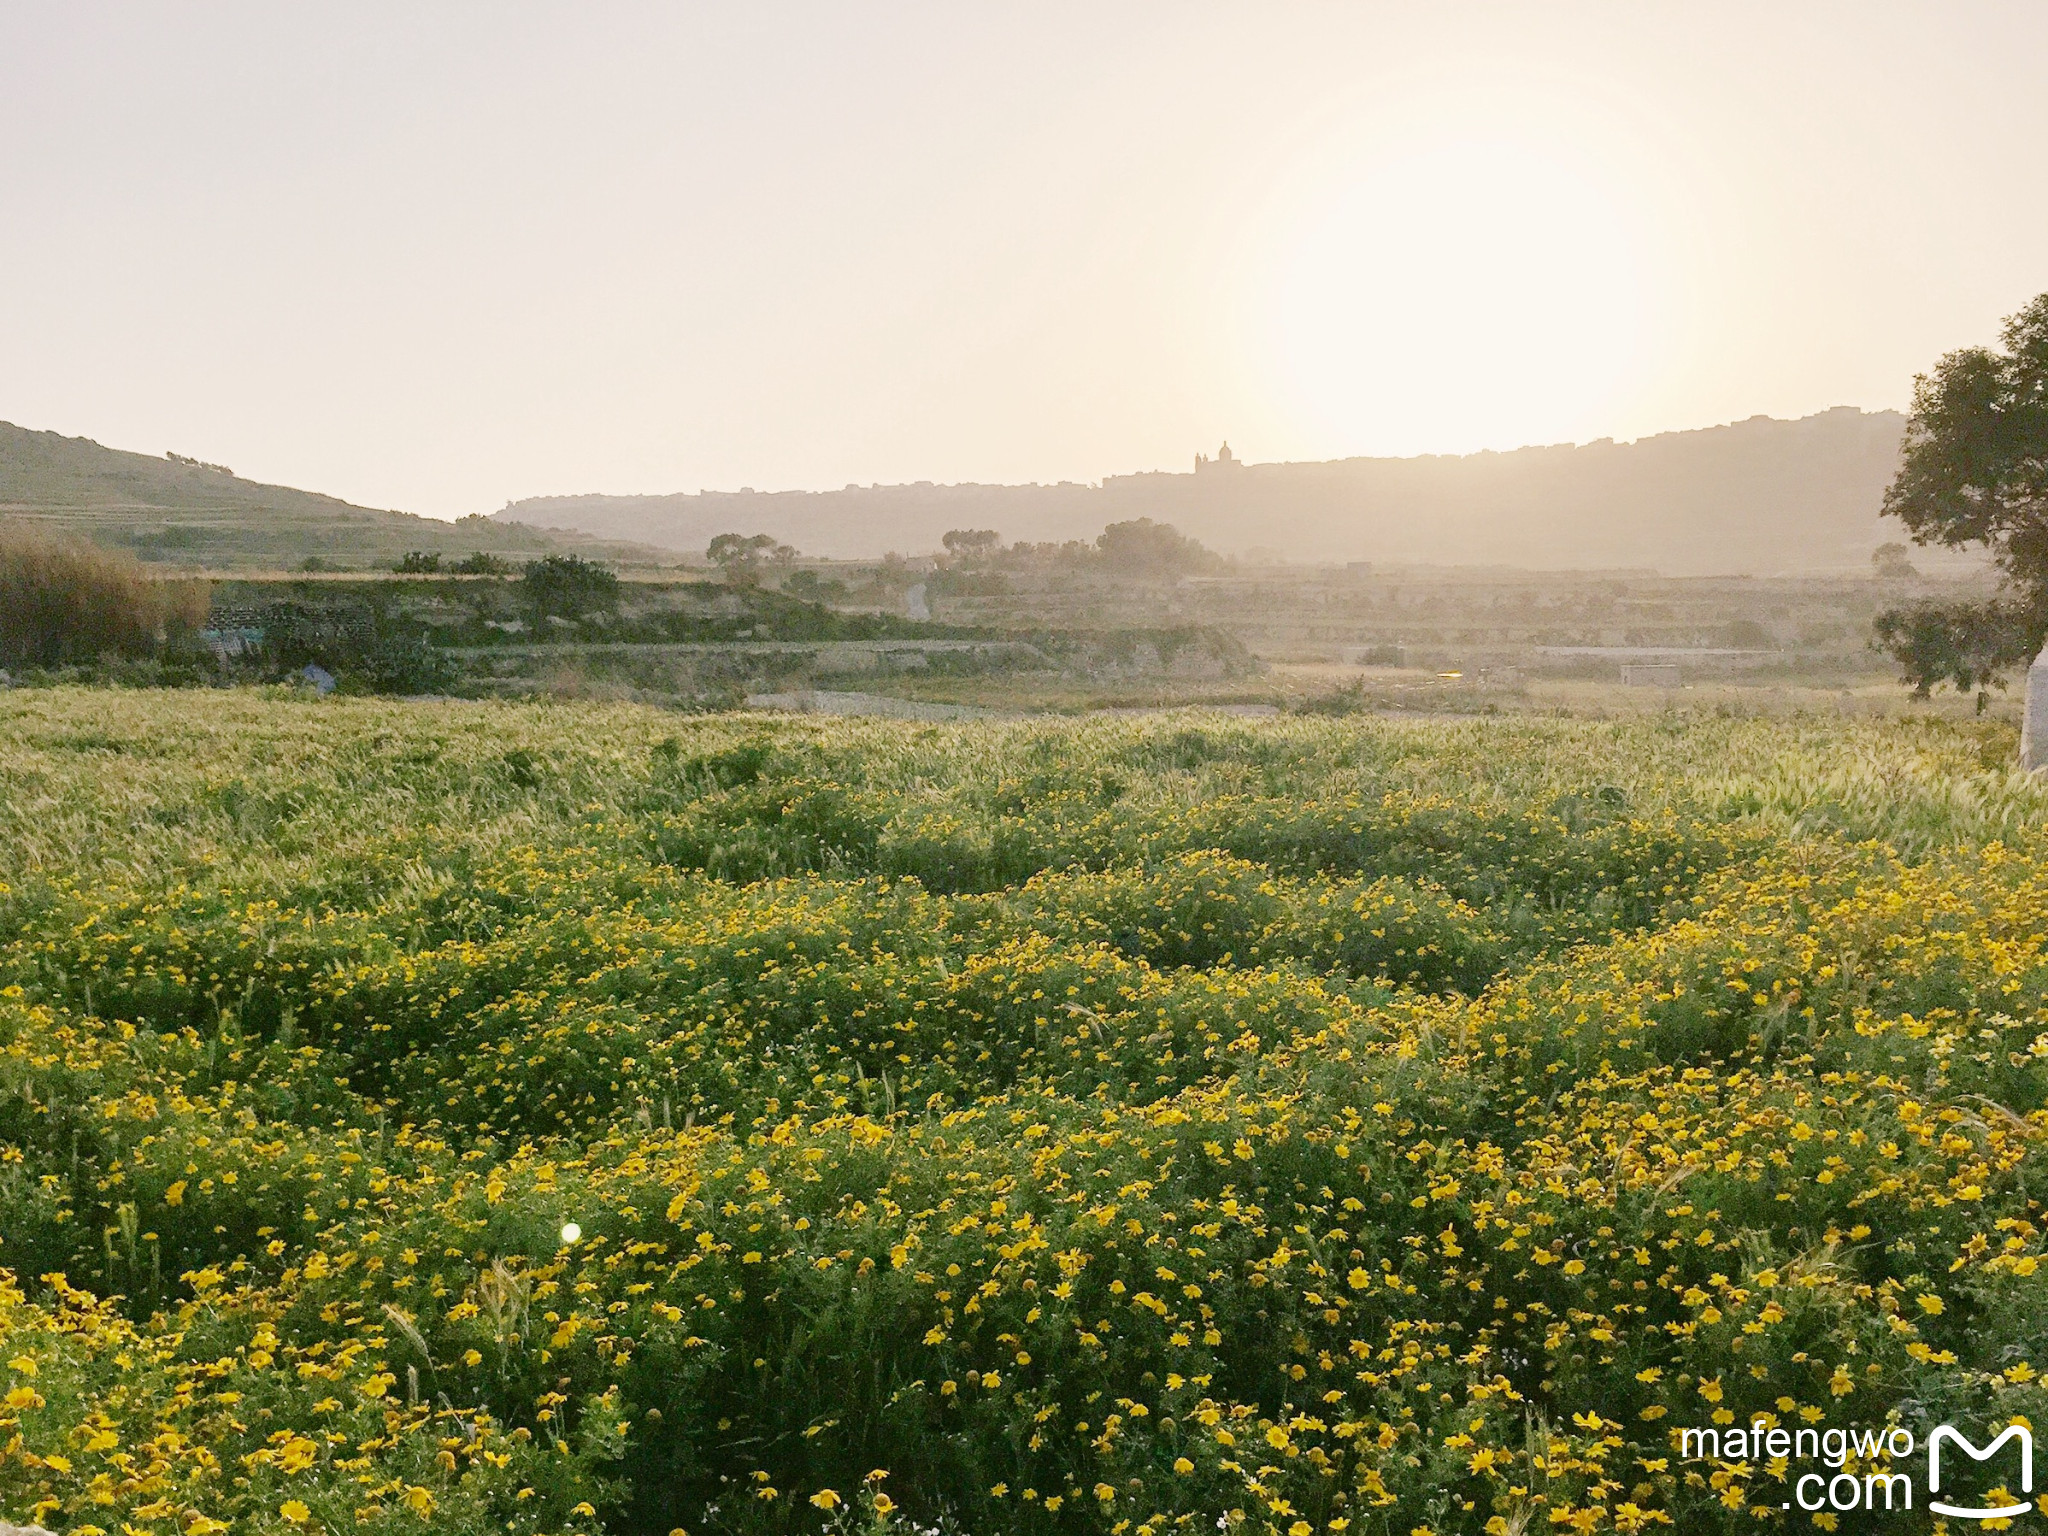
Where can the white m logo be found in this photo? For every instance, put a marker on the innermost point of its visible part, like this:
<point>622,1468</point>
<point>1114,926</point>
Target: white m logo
<point>2004,1512</point>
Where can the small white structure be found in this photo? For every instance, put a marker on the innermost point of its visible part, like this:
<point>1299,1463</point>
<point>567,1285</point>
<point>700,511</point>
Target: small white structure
<point>914,605</point>
<point>1647,674</point>
<point>2034,725</point>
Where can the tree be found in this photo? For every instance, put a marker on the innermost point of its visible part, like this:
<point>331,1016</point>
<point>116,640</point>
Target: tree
<point>1967,645</point>
<point>419,562</point>
<point>568,587</point>
<point>1975,471</point>
<point>970,544</point>
<point>740,556</point>
<point>1142,547</point>
<point>1889,562</point>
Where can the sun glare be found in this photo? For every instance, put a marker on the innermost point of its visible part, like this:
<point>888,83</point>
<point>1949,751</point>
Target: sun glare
<point>1482,291</point>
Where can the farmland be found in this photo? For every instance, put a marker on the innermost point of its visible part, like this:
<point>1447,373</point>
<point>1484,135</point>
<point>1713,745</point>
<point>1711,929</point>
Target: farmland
<point>572,1117</point>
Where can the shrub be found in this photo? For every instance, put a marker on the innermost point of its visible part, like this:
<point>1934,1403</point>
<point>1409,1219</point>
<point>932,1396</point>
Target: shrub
<point>65,601</point>
<point>568,587</point>
<point>368,651</point>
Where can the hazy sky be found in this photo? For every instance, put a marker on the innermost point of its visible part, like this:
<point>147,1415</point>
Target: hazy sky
<point>436,256</point>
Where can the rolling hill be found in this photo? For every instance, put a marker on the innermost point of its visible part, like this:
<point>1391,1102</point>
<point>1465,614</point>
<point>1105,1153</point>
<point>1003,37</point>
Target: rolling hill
<point>181,512</point>
<point>1759,497</point>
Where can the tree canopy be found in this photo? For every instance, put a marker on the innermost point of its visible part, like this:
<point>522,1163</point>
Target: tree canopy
<point>961,542</point>
<point>740,555</point>
<point>1975,472</point>
<point>1142,547</point>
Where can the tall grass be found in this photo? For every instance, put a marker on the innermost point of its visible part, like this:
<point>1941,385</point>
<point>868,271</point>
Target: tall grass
<point>62,600</point>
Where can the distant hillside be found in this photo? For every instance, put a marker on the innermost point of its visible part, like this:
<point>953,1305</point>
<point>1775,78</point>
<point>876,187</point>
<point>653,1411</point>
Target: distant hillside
<point>182,512</point>
<point>1759,496</point>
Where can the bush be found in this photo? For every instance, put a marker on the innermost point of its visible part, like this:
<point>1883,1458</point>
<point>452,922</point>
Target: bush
<point>813,587</point>
<point>64,601</point>
<point>568,587</point>
<point>367,650</point>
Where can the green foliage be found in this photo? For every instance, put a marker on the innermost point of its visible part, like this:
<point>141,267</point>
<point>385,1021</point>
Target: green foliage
<point>812,587</point>
<point>741,555</point>
<point>367,648</point>
<point>1969,646</point>
<point>971,543</point>
<point>1142,547</point>
<point>1975,472</point>
<point>1100,1126</point>
<point>568,587</point>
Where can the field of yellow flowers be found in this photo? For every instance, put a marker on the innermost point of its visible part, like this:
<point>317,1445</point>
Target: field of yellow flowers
<point>476,1118</point>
